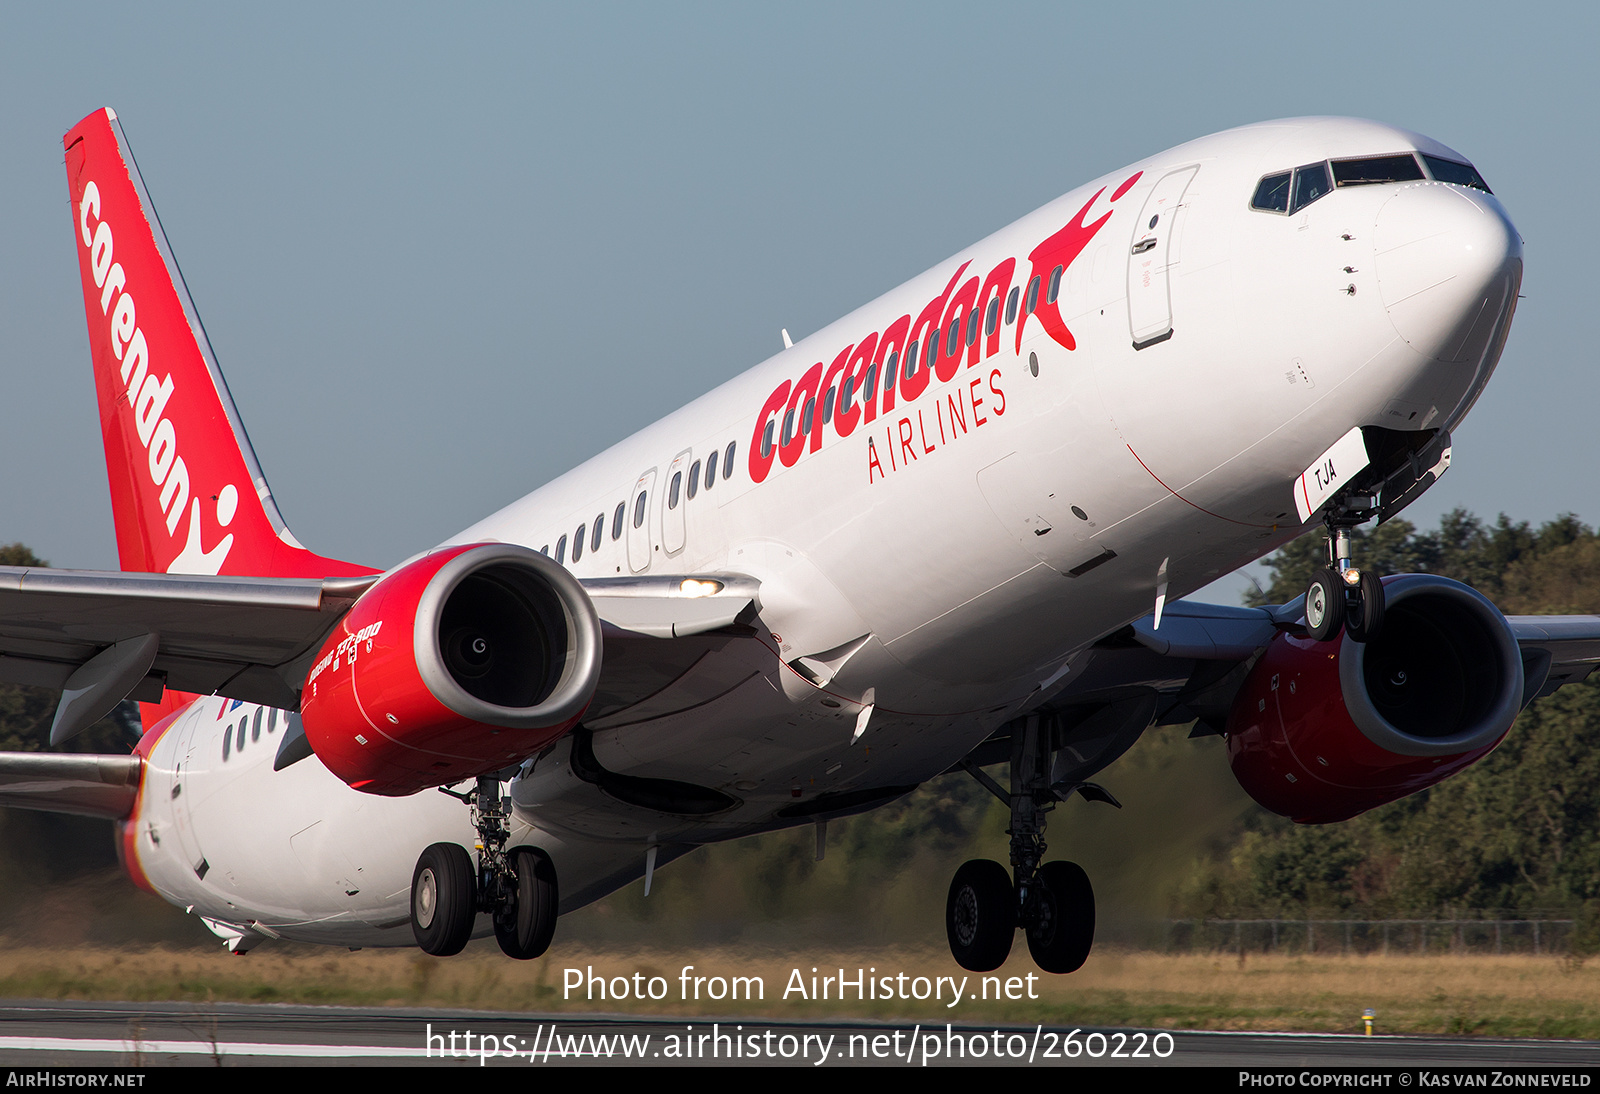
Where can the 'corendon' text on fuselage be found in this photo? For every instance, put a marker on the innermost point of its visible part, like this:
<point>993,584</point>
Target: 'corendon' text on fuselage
<point>958,328</point>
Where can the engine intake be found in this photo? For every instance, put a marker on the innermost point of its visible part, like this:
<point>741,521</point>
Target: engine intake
<point>458,664</point>
<point>1322,731</point>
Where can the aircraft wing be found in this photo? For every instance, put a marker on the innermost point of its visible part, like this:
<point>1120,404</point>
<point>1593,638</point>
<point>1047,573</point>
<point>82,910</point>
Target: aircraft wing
<point>1556,649</point>
<point>1191,667</point>
<point>113,635</point>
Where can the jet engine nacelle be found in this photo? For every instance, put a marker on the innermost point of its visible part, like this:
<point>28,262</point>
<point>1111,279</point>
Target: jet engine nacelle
<point>1322,731</point>
<point>458,664</point>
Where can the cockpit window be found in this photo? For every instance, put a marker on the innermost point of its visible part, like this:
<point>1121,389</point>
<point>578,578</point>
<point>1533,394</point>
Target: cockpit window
<point>1372,170</point>
<point>1461,174</point>
<point>1310,183</point>
<point>1272,194</point>
<point>1291,191</point>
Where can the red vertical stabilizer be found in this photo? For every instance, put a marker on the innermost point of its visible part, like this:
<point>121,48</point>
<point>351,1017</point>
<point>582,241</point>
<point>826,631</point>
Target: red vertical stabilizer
<point>187,493</point>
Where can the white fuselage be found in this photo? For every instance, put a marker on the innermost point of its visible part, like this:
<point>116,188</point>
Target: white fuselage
<point>945,561</point>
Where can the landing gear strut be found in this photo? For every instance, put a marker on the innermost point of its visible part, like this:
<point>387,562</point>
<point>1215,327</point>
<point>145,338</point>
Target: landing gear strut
<point>1340,595</point>
<point>517,887</point>
<point>1052,902</point>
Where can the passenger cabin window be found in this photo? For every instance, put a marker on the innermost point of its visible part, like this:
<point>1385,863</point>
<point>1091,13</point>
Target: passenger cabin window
<point>711,470</point>
<point>694,478</point>
<point>1272,194</point>
<point>952,338</point>
<point>638,506</point>
<point>1460,174</point>
<point>561,551</point>
<point>577,542</point>
<point>1033,295</point>
<point>545,550</point>
<point>993,321</point>
<point>1011,305</point>
<point>972,326</point>
<point>672,491</point>
<point>727,461</point>
<point>616,520</point>
<point>933,349</point>
<point>599,531</point>
<point>255,725</point>
<point>827,406</point>
<point>807,414</point>
<point>1310,183</point>
<point>766,438</point>
<point>1055,285</point>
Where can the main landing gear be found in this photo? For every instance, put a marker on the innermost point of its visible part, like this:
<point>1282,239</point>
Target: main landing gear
<point>517,887</point>
<point>1052,902</point>
<point>1340,595</point>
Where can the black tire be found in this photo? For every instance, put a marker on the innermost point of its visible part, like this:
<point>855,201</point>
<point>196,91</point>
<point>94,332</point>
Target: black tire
<point>525,929</point>
<point>1062,931</point>
<point>1364,624</point>
<point>444,899</point>
<point>980,915</point>
<point>1324,605</point>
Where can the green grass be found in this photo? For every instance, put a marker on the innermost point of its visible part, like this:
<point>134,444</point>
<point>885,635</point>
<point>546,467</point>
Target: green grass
<point>1518,996</point>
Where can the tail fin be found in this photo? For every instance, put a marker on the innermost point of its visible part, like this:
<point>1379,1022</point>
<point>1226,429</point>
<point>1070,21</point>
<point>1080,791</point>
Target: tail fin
<point>186,491</point>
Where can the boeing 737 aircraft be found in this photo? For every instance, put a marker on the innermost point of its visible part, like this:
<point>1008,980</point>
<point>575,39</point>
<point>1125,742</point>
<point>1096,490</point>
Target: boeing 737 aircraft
<point>951,529</point>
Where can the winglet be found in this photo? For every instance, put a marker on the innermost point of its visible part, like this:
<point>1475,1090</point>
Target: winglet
<point>186,491</point>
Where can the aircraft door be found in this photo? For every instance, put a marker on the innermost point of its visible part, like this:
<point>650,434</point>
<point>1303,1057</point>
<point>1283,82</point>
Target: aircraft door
<point>638,518</point>
<point>677,500</point>
<point>1149,257</point>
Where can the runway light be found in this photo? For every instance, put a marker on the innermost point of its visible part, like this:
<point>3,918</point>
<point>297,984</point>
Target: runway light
<point>1367,1016</point>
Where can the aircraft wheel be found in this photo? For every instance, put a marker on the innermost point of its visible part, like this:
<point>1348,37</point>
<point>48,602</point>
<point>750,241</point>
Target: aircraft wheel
<point>444,899</point>
<point>1324,605</point>
<point>980,915</point>
<point>1062,929</point>
<point>524,929</point>
<point>1364,623</point>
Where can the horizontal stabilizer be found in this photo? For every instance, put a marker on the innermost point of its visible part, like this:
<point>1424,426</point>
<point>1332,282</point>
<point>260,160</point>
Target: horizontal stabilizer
<point>88,786</point>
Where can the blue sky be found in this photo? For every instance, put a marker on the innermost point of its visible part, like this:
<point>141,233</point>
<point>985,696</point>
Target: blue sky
<point>446,254</point>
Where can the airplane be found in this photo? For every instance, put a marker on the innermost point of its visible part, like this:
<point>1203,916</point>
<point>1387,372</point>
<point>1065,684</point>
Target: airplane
<point>951,529</point>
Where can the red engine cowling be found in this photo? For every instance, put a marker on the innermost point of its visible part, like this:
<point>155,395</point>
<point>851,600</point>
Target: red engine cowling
<point>1322,731</point>
<point>458,664</point>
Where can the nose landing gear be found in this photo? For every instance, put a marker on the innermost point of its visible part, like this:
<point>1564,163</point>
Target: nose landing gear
<point>1340,595</point>
<point>517,887</point>
<point>1052,902</point>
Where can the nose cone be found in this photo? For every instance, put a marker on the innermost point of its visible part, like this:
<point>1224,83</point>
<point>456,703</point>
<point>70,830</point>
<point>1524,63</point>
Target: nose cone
<point>1449,263</point>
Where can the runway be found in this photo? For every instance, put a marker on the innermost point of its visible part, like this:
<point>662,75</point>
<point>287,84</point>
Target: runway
<point>71,1034</point>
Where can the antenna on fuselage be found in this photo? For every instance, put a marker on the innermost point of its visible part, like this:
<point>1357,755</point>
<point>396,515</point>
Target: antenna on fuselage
<point>788,343</point>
